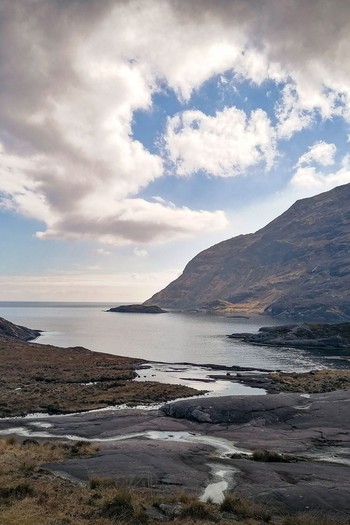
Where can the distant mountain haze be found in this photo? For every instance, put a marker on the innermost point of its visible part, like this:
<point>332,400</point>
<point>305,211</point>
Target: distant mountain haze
<point>297,266</point>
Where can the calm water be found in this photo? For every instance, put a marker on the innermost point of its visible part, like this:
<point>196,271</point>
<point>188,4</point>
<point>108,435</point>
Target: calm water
<point>172,337</point>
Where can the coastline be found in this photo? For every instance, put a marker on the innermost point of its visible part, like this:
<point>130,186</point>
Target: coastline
<point>54,380</point>
<point>174,445</point>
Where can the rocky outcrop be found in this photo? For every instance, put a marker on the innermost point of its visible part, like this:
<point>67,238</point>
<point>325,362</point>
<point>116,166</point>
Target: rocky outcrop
<point>298,266</point>
<point>307,335</point>
<point>138,309</point>
<point>272,409</point>
<point>15,331</point>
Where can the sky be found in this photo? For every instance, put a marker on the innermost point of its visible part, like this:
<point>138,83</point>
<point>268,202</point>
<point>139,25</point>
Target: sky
<point>136,133</point>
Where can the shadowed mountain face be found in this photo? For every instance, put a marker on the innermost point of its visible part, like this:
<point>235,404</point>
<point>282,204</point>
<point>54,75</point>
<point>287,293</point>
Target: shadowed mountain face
<point>15,331</point>
<point>296,266</point>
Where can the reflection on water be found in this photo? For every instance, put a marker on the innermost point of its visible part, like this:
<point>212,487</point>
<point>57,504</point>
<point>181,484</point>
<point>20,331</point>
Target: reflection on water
<point>196,377</point>
<point>172,337</point>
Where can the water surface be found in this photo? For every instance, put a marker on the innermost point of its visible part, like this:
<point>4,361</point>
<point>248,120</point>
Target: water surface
<point>170,338</point>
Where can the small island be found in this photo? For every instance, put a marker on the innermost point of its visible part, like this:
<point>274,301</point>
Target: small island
<point>138,309</point>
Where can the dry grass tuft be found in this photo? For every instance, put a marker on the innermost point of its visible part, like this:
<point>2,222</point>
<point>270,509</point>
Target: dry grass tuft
<point>314,381</point>
<point>314,518</point>
<point>119,507</point>
<point>198,511</point>
<point>271,456</point>
<point>245,507</point>
<point>29,495</point>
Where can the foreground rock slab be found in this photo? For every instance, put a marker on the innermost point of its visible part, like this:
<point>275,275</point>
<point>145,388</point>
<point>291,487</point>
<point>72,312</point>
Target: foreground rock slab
<point>315,426</point>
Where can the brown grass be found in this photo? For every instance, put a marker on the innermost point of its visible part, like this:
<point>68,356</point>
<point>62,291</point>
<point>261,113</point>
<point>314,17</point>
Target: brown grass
<point>44,378</point>
<point>34,496</point>
<point>246,508</point>
<point>314,382</point>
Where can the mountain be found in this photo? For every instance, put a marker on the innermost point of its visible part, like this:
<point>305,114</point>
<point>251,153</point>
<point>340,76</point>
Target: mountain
<point>297,266</point>
<point>16,331</point>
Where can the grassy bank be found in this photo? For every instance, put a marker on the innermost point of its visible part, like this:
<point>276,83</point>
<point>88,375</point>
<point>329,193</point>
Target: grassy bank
<point>313,382</point>
<point>45,378</point>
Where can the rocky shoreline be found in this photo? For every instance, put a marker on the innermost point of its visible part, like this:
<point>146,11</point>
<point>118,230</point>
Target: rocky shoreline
<point>15,331</point>
<point>320,336</point>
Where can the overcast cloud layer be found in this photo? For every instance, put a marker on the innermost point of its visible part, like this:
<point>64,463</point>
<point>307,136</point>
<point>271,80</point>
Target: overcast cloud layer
<point>73,73</point>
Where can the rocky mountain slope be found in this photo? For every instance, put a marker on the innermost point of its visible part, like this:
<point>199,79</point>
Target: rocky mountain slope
<point>297,266</point>
<point>15,331</point>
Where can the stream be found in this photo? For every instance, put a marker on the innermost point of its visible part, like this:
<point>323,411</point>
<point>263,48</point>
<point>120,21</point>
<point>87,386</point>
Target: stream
<point>221,475</point>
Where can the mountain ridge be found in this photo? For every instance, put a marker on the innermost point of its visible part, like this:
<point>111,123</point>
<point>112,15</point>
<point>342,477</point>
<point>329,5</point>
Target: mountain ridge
<point>297,266</point>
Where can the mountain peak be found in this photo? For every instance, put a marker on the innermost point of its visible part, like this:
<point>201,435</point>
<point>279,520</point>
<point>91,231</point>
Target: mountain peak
<point>297,266</point>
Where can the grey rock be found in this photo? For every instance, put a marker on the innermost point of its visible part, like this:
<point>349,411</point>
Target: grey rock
<point>15,331</point>
<point>171,510</point>
<point>307,335</point>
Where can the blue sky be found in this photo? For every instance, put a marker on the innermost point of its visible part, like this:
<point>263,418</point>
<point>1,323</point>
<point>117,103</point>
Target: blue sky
<point>134,134</point>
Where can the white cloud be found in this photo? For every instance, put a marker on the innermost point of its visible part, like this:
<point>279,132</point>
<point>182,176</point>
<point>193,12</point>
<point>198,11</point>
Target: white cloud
<point>72,162</point>
<point>223,145</point>
<point>75,72</point>
<point>134,221</point>
<point>290,113</point>
<point>308,179</point>
<point>321,152</point>
<point>103,251</point>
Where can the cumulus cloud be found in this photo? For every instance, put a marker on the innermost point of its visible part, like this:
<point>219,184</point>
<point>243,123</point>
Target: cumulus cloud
<point>321,152</point>
<point>309,178</point>
<point>73,74</point>
<point>134,221</point>
<point>223,145</point>
<point>68,157</point>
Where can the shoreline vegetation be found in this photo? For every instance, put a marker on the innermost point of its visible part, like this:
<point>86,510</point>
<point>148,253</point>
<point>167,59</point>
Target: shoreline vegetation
<point>39,378</point>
